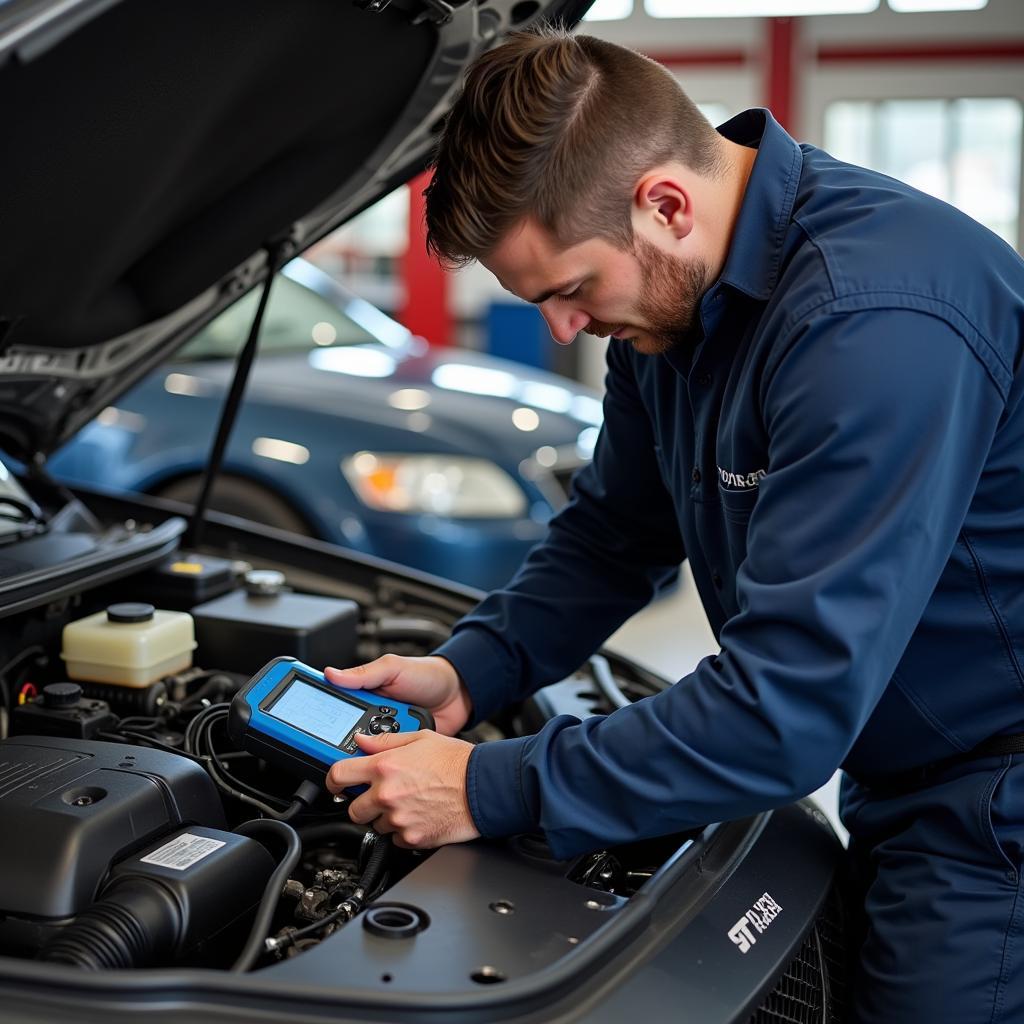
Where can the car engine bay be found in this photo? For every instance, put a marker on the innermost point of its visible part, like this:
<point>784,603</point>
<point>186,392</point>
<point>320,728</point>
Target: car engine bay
<point>148,838</point>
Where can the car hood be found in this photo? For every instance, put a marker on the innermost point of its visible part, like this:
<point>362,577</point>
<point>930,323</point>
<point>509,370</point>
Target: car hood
<point>159,157</point>
<point>468,400</point>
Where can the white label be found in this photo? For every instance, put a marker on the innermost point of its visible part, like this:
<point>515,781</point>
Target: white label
<point>183,851</point>
<point>754,922</point>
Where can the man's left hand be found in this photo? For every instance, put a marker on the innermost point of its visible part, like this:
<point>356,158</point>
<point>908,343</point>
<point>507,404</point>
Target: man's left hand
<point>417,788</point>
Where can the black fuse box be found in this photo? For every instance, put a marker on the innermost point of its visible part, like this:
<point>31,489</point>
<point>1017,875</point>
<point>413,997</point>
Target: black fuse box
<point>186,579</point>
<point>241,632</point>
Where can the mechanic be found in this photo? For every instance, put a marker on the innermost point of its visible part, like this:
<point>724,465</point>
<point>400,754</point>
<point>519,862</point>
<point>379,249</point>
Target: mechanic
<point>814,395</point>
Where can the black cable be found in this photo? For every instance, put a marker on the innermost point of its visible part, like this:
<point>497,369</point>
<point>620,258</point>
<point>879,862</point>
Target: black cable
<point>207,735</point>
<point>366,890</point>
<point>197,726</point>
<point>221,772</point>
<point>272,893</point>
<point>273,813</point>
<point>199,738</point>
<point>140,722</point>
<point>303,797</point>
<point>217,683</point>
<point>5,693</point>
<point>227,782</point>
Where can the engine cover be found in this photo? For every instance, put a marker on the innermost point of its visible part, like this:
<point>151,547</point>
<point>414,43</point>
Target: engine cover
<point>76,807</point>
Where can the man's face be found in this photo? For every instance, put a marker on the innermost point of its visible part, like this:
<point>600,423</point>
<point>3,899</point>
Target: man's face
<point>643,295</point>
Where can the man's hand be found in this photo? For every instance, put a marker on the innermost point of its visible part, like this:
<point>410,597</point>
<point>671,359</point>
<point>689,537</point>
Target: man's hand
<point>417,788</point>
<point>430,683</point>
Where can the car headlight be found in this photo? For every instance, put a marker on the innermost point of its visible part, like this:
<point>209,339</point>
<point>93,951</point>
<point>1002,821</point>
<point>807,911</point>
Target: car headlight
<point>444,485</point>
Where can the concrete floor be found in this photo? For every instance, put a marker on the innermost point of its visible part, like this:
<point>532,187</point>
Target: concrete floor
<point>671,636</point>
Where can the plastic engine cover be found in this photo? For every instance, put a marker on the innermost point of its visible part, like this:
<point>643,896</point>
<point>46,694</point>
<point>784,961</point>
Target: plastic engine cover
<point>75,807</point>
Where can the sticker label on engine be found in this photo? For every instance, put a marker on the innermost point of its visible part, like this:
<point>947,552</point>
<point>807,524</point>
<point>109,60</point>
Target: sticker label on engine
<point>754,922</point>
<point>183,851</point>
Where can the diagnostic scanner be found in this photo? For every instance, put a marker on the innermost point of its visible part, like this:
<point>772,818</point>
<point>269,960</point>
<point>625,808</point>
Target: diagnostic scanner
<point>291,716</point>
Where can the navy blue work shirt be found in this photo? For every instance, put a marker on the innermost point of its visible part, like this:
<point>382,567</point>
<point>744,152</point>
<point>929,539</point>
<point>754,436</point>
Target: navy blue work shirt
<point>841,459</point>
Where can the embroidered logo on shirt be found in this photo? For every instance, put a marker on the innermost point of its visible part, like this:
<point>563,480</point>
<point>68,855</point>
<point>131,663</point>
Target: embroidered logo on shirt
<point>756,919</point>
<point>741,481</point>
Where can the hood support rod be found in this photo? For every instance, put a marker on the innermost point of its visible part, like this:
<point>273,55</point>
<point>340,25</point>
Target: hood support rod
<point>229,412</point>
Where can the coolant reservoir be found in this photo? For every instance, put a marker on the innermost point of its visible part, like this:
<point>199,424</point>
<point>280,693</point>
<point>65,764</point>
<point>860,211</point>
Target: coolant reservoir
<point>128,644</point>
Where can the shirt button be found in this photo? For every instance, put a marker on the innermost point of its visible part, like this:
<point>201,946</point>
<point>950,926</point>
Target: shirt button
<point>717,580</point>
<point>695,476</point>
<point>704,379</point>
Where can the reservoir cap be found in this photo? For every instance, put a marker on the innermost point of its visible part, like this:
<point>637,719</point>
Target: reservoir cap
<point>131,611</point>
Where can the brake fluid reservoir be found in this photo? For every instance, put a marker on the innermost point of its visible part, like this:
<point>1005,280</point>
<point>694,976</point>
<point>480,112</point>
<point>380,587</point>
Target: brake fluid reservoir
<point>128,644</point>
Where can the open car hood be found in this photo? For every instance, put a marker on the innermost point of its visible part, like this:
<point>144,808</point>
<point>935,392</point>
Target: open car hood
<point>159,157</point>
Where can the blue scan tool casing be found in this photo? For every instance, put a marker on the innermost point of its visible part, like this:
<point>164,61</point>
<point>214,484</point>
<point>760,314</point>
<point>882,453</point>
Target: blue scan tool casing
<point>290,715</point>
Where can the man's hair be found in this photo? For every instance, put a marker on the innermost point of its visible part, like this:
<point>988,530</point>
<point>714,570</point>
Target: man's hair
<point>559,128</point>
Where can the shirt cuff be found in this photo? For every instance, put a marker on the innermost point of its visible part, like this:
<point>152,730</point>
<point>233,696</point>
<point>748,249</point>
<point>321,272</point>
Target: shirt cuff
<point>494,788</point>
<point>482,664</point>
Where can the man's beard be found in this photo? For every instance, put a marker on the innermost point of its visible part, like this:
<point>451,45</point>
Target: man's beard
<point>669,303</point>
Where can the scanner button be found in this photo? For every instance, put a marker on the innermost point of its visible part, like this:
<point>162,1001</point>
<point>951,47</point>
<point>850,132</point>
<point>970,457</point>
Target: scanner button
<point>386,711</point>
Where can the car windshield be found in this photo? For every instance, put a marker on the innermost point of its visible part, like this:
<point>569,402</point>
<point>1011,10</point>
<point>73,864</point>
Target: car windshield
<point>297,319</point>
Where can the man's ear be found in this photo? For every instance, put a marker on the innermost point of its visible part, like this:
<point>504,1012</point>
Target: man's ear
<point>661,202</point>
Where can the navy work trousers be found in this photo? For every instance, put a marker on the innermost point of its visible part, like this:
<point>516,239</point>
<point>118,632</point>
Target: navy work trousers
<point>938,868</point>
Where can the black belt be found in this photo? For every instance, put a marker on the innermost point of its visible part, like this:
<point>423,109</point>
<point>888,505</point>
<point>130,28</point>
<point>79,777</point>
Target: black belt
<point>913,778</point>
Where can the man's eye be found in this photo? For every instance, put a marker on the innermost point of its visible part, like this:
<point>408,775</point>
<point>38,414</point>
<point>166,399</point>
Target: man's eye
<point>570,295</point>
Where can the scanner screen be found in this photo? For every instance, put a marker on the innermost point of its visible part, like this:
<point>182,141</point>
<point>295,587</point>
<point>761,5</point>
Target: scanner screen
<point>312,710</point>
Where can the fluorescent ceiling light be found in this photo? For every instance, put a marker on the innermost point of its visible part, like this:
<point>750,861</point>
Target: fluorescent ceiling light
<point>185,384</point>
<point>915,6</point>
<point>755,8</point>
<point>609,10</point>
<point>356,361</point>
<point>282,451</point>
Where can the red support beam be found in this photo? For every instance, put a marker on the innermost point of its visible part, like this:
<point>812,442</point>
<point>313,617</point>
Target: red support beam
<point>780,70</point>
<point>425,309</point>
<point>922,53</point>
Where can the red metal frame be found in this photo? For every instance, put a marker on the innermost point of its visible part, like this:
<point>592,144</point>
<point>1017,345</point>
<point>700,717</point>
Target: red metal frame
<point>780,71</point>
<point>425,309</point>
<point>922,53</point>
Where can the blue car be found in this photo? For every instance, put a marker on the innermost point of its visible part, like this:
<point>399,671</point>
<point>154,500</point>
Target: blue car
<point>355,431</point>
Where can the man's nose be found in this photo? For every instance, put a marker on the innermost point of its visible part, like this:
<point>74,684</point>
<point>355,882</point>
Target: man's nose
<point>565,323</point>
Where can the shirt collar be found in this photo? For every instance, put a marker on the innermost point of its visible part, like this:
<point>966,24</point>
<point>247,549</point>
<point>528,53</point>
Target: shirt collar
<point>755,254</point>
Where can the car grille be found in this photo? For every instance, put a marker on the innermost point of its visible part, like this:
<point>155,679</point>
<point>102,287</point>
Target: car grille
<point>814,989</point>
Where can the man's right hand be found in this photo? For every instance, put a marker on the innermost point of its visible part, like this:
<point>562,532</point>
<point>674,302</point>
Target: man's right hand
<point>430,683</point>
